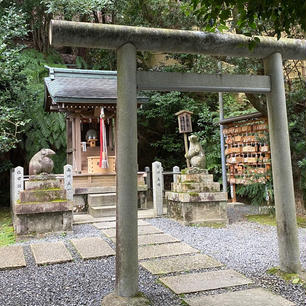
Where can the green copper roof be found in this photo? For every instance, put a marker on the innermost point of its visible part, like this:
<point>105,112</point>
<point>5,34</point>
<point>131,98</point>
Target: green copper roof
<point>80,87</point>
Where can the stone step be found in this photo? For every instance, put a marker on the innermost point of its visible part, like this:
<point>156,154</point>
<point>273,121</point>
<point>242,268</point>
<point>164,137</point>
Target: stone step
<point>203,281</point>
<point>102,199</point>
<point>11,257</point>
<point>102,211</point>
<point>254,297</point>
<point>47,195</point>
<point>142,230</point>
<point>196,197</point>
<point>42,184</point>
<point>92,247</point>
<point>196,187</point>
<point>50,253</point>
<point>195,178</point>
<point>180,263</point>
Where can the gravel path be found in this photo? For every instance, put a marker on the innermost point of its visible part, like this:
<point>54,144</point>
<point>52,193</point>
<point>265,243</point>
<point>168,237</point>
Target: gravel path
<point>246,247</point>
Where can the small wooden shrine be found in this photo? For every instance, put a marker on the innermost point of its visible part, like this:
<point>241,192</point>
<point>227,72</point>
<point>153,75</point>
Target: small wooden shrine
<point>247,151</point>
<point>88,98</point>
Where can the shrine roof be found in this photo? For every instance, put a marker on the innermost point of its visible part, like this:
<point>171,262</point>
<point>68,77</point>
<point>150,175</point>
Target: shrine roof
<point>76,88</point>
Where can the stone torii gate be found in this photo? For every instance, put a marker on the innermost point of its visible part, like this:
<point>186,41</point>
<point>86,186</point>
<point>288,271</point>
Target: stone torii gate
<point>127,40</point>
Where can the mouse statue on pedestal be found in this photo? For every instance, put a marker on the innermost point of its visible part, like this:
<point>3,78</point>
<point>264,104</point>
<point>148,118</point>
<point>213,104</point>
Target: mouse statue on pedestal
<point>195,199</point>
<point>41,162</point>
<point>196,155</point>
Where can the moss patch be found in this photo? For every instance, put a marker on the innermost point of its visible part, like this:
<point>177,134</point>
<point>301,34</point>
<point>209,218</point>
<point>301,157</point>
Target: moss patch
<point>47,189</point>
<point>193,194</point>
<point>7,235</point>
<point>42,202</point>
<point>262,219</point>
<point>288,277</point>
<point>301,221</point>
<point>270,220</point>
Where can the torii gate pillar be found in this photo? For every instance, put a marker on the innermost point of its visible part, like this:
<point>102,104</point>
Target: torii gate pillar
<point>126,288</point>
<point>288,244</point>
<point>126,229</point>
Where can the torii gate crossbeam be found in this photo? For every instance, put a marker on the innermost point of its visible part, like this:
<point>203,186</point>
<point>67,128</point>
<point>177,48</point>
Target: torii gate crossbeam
<point>127,40</point>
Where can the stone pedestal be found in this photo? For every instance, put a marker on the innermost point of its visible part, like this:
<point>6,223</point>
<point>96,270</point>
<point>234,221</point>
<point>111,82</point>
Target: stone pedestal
<point>42,207</point>
<point>196,199</point>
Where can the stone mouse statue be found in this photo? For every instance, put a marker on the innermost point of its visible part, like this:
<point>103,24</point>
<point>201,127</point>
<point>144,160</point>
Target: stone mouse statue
<point>41,162</point>
<point>196,153</point>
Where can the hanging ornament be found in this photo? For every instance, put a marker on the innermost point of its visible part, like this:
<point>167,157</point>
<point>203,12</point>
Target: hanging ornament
<point>103,143</point>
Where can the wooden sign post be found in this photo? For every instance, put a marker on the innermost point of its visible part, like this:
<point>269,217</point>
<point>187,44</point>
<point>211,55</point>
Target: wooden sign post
<point>185,126</point>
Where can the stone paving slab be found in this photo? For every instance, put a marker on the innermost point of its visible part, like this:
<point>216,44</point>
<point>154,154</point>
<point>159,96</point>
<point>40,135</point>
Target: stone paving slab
<point>250,297</point>
<point>162,250</point>
<point>194,282</point>
<point>154,239</point>
<point>142,230</point>
<point>180,263</point>
<point>92,247</point>
<point>112,224</point>
<point>50,253</point>
<point>11,257</point>
<point>149,213</point>
<point>86,218</point>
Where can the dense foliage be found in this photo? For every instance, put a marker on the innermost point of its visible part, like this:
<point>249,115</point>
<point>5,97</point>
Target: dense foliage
<point>251,17</point>
<point>12,81</point>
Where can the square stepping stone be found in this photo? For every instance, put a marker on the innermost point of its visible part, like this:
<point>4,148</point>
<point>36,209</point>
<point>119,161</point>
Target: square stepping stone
<point>154,239</point>
<point>180,263</point>
<point>194,282</point>
<point>50,253</point>
<point>254,297</point>
<point>93,247</point>
<point>11,257</point>
<point>112,224</point>
<point>142,230</point>
<point>162,250</point>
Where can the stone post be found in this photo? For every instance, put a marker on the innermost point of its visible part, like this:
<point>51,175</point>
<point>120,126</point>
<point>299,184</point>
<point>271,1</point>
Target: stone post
<point>68,182</point>
<point>162,180</point>
<point>126,209</point>
<point>18,183</point>
<point>157,178</point>
<point>148,178</point>
<point>12,186</point>
<point>288,243</point>
<point>175,170</point>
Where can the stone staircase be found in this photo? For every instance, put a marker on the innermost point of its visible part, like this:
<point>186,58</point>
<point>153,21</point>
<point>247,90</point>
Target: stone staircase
<point>102,205</point>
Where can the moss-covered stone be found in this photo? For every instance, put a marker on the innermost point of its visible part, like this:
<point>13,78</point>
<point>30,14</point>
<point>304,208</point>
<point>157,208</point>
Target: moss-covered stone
<point>42,195</point>
<point>193,194</point>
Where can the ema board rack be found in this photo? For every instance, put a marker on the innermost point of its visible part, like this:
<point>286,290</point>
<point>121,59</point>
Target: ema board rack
<point>247,150</point>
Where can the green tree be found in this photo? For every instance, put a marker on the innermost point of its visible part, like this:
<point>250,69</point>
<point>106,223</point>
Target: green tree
<point>251,17</point>
<point>13,90</point>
